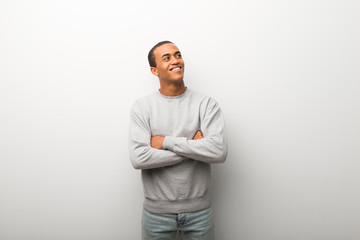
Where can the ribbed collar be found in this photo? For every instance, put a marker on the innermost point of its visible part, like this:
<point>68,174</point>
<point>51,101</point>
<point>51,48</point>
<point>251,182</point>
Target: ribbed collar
<point>187,90</point>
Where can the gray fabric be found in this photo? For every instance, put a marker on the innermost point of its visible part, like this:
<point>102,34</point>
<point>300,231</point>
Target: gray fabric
<point>176,178</point>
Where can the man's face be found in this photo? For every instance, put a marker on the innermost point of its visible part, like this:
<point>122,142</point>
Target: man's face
<point>169,63</point>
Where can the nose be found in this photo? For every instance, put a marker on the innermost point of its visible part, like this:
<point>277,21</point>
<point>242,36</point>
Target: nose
<point>174,60</point>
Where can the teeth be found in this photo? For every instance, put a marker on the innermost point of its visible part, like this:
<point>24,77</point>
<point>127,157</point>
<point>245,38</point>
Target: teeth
<point>175,68</point>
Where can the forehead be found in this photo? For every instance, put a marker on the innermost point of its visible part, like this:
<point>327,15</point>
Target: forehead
<point>167,48</point>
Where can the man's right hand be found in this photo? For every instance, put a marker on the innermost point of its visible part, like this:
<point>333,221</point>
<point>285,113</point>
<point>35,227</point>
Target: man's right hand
<point>198,135</point>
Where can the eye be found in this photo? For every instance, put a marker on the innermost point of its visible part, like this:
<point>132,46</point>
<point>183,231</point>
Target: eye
<point>166,58</point>
<point>178,55</point>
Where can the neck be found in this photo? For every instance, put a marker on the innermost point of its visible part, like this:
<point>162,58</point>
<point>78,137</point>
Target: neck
<point>172,88</point>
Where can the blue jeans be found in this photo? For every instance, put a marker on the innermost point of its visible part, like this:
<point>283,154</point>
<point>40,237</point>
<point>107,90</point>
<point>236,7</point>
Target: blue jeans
<point>193,225</point>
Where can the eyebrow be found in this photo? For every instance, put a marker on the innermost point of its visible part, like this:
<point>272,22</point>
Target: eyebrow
<point>168,54</point>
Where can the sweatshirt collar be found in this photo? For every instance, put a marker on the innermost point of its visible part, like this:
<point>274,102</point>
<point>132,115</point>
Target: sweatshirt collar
<point>187,90</point>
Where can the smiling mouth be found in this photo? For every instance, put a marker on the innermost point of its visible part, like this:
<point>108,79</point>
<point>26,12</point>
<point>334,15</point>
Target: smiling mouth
<point>176,69</point>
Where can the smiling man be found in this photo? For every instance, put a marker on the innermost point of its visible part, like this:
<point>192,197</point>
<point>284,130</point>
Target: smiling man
<point>175,135</point>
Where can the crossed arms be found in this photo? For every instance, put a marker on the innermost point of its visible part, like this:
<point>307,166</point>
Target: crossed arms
<point>208,144</point>
<point>157,141</point>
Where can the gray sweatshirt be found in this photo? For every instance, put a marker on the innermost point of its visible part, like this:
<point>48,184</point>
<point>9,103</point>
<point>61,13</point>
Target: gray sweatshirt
<point>176,178</point>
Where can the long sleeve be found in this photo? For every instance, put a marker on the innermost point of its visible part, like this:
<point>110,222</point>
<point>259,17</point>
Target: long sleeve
<point>142,155</point>
<point>210,149</point>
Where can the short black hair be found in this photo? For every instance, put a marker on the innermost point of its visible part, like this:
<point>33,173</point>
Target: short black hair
<point>151,56</point>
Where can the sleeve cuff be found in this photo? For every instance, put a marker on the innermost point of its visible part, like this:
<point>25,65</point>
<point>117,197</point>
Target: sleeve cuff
<point>169,143</point>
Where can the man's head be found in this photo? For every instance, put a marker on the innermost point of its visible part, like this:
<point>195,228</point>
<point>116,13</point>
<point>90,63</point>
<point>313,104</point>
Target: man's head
<point>166,62</point>
<point>151,56</point>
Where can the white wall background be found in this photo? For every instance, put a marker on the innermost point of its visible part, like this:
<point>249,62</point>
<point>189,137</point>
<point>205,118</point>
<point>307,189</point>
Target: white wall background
<point>286,74</point>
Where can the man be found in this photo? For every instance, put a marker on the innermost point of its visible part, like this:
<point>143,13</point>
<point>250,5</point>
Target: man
<point>175,134</point>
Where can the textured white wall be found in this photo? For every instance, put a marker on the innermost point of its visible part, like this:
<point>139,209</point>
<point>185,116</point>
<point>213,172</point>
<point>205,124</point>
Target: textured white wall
<point>286,74</point>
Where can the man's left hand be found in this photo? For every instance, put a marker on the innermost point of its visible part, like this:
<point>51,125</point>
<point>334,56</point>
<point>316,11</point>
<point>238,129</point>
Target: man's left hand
<point>157,142</point>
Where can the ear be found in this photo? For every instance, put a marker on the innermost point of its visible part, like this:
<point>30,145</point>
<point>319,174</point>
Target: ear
<point>154,71</point>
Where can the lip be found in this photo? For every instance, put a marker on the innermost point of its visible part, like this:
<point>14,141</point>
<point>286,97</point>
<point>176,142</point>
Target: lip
<point>175,69</point>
